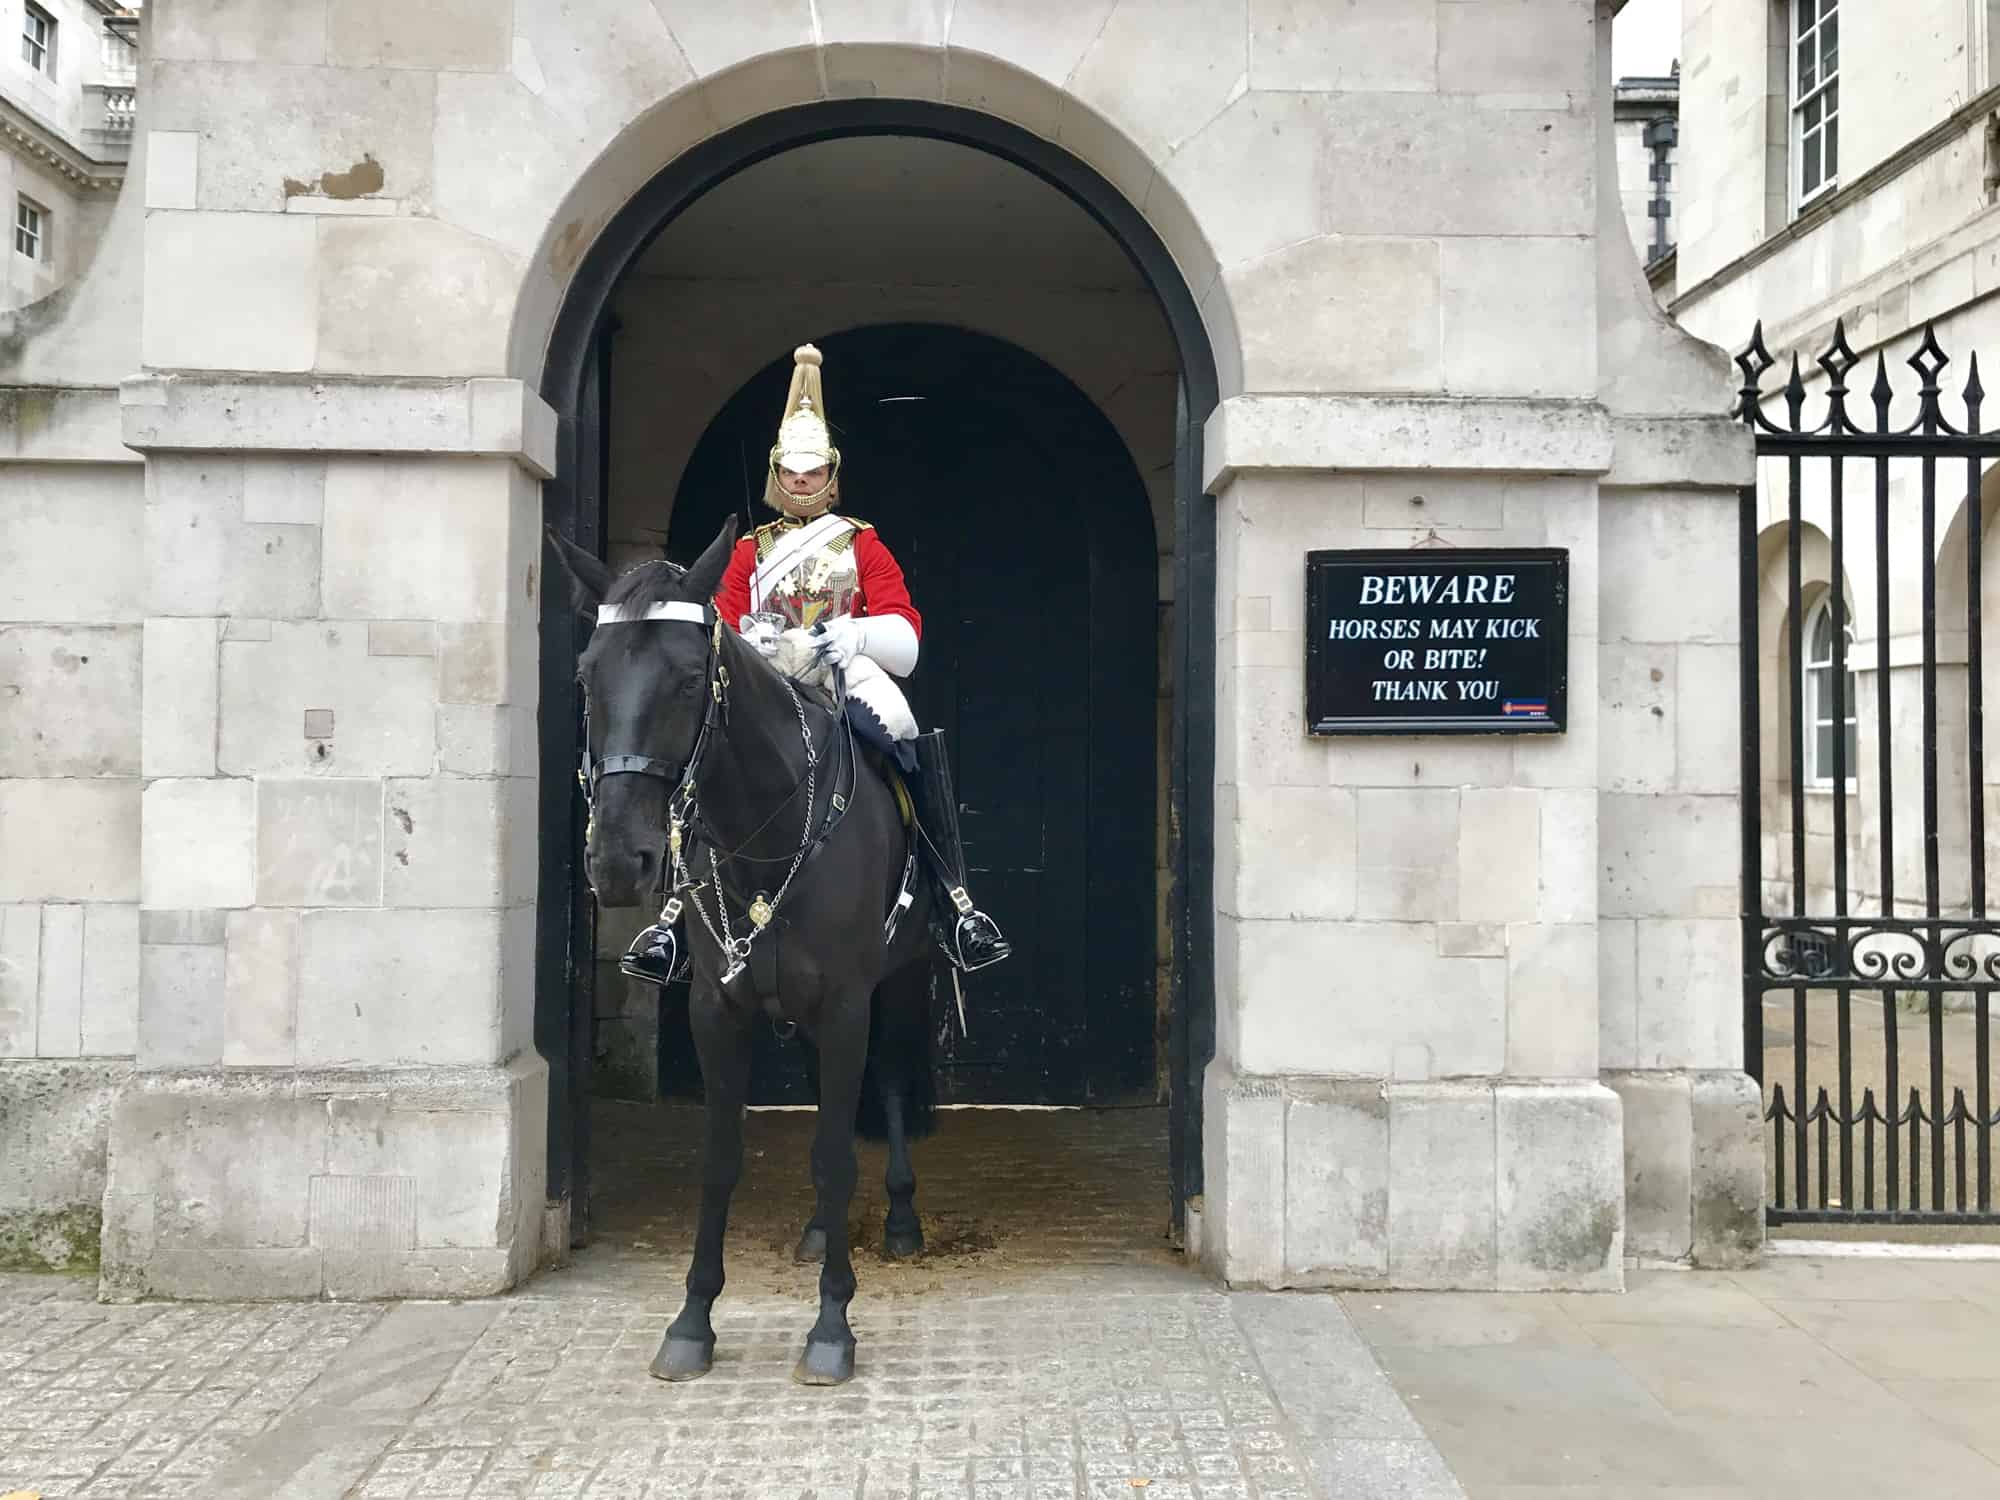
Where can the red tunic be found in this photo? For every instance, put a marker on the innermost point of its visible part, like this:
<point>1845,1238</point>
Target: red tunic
<point>880,589</point>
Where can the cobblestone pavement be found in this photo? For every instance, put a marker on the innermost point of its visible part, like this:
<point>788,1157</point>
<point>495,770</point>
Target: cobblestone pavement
<point>1049,1344</point>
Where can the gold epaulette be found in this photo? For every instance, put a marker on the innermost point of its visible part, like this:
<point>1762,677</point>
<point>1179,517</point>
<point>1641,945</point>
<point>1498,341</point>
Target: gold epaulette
<point>767,535</point>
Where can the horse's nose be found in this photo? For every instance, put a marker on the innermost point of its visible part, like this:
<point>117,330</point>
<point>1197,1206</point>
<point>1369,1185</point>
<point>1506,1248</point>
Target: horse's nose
<point>622,877</point>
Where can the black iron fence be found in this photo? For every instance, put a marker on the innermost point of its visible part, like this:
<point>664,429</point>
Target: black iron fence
<point>1870,961</point>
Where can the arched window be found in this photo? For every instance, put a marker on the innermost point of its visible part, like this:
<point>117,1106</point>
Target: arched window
<point>1823,716</point>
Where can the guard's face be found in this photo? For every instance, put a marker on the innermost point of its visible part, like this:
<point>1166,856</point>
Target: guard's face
<point>805,485</point>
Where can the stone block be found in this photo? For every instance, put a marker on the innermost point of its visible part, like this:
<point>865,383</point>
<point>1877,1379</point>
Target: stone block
<point>1568,855</point>
<point>461,35</point>
<point>1660,552</point>
<point>455,522</point>
<point>241,33</point>
<point>456,1161</point>
<point>1156,73</point>
<point>1728,1169</point>
<point>1371,46</point>
<point>192,928</point>
<point>171,157</point>
<point>1340,314</point>
<point>1423,164</point>
<point>208,560</point>
<point>54,1119</point>
<point>338,133</point>
<point>1659,1162</point>
<point>319,842</point>
<point>200,843</point>
<point>1295,852</point>
<point>1560,1198</point>
<point>1472,940</point>
<point>608,73</point>
<point>72,700</point>
<point>1617,992</point>
<point>1552,1000</point>
<point>378,987</point>
<point>59,1016</point>
<point>1264,146</point>
<point>383,707</point>
<point>479,739</point>
<point>69,840</point>
<point>66,553</point>
<point>487,117</point>
<point>1336,1182</point>
<point>1708,745</point>
<point>1639,710</point>
<point>283,489</point>
<point>1663,855</point>
<point>229,1274</point>
<point>474,663</point>
<point>1408,854</point>
<point>402,638</point>
<point>412,297</point>
<point>1243,1153</point>
<point>1499,863</point>
<point>1495,286</point>
<point>1531,47</point>
<point>378,1275</point>
<point>110,981</point>
<point>719,37</point>
<point>180,1005</point>
<point>260,266</point>
<point>20,978</point>
<point>1417,503</point>
<point>181,703</point>
<point>447,841</point>
<point>1441,1185</point>
<point>260,989</point>
<point>1689,988</point>
<point>363,1213</point>
<point>1341,997</point>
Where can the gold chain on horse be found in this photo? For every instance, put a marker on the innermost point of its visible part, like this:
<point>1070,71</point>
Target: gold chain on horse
<point>762,909</point>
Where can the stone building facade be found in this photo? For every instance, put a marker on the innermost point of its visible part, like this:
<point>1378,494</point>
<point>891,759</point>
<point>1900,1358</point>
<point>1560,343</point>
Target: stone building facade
<point>286,775</point>
<point>1873,208</point>
<point>67,101</point>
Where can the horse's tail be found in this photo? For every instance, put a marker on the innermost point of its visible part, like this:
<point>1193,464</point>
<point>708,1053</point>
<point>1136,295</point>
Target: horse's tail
<point>901,1056</point>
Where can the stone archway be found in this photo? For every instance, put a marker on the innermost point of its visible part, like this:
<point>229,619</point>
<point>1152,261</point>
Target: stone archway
<point>572,381</point>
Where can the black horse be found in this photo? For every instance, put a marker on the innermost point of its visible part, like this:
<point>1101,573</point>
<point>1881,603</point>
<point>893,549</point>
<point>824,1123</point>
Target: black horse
<point>696,743</point>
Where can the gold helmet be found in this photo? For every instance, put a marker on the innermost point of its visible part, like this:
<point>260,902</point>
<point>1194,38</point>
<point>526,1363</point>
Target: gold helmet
<point>804,443</point>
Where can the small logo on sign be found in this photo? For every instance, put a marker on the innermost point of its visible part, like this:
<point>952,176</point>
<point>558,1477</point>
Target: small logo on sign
<point>1525,706</point>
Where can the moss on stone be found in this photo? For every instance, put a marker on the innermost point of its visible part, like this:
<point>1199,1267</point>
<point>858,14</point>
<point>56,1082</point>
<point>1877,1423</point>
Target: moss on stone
<point>67,1240</point>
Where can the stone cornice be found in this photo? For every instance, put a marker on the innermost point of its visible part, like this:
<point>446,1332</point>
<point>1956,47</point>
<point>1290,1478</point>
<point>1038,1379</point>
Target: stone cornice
<point>202,412</point>
<point>1462,434</point>
<point>36,140</point>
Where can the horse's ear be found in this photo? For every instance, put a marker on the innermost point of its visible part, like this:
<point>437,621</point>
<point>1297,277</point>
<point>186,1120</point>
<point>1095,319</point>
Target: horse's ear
<point>588,577</point>
<point>701,580</point>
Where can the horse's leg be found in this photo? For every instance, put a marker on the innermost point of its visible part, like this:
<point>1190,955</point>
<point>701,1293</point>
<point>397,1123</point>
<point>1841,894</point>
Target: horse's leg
<point>901,1063</point>
<point>843,1043</point>
<point>902,1230</point>
<point>811,1248</point>
<point>722,1041</point>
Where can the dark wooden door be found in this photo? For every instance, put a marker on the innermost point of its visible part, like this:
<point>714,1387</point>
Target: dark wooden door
<point>1024,531</point>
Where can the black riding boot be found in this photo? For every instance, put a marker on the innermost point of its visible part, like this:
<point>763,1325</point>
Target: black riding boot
<point>969,938</point>
<point>658,955</point>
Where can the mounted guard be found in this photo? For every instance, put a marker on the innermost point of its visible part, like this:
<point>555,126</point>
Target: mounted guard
<point>815,591</point>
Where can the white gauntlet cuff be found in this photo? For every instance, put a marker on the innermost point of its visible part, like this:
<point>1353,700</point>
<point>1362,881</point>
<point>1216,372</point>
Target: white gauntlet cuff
<point>890,642</point>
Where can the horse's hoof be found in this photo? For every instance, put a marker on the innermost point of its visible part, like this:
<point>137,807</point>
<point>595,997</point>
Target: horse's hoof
<point>901,1244</point>
<point>811,1249</point>
<point>683,1359</point>
<point>825,1364</point>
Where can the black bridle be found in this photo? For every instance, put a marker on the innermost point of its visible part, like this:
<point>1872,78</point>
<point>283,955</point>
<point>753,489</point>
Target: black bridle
<point>683,815</point>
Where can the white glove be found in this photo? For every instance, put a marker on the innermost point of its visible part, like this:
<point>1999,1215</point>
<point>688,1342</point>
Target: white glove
<point>886,640</point>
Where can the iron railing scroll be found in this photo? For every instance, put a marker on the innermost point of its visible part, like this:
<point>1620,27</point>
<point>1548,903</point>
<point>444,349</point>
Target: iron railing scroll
<point>1899,1152</point>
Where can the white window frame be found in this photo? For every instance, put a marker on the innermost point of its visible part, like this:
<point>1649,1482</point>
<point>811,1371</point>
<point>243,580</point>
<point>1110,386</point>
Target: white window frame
<point>31,229</point>
<point>38,38</point>
<point>1824,93</point>
<point>1817,678</point>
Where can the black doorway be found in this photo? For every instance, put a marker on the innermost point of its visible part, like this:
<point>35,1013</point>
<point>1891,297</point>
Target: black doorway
<point>1025,533</point>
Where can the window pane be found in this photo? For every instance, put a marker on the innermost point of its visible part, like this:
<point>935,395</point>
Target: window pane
<point>1808,68</point>
<point>1829,48</point>
<point>1832,149</point>
<point>1826,8</point>
<point>1802,10</point>
<point>1814,112</point>
<point>1809,174</point>
<point>1820,636</point>
<point>1853,750</point>
<point>1821,768</point>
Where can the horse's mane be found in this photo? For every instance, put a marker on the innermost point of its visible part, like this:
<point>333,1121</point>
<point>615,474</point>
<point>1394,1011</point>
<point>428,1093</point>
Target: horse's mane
<point>656,582</point>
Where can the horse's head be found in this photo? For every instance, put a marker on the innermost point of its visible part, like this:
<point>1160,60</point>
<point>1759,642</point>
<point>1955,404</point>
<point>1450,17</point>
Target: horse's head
<point>646,692</point>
